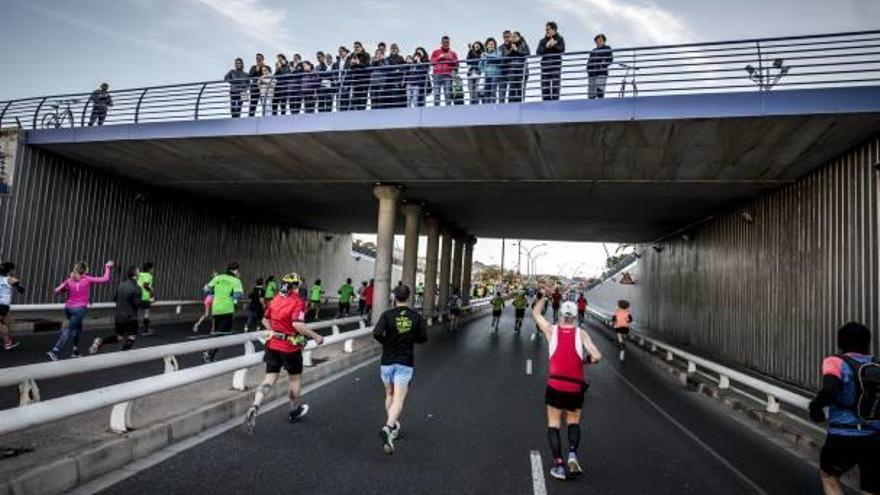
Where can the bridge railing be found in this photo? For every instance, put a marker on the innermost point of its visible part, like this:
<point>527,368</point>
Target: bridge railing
<point>32,411</point>
<point>811,61</point>
<point>774,395</point>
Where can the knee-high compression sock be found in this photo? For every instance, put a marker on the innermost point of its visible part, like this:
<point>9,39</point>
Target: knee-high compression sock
<point>129,343</point>
<point>555,444</point>
<point>146,324</point>
<point>574,437</point>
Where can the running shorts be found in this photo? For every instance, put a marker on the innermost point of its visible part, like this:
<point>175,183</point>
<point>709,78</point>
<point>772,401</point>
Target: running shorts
<point>520,313</point>
<point>146,304</point>
<point>582,312</point>
<point>4,310</point>
<point>455,311</point>
<point>622,330</point>
<point>126,328</point>
<point>496,313</point>
<point>290,361</point>
<point>397,374</point>
<point>843,452</point>
<point>208,302</point>
<point>569,401</point>
<point>344,307</point>
<point>223,323</point>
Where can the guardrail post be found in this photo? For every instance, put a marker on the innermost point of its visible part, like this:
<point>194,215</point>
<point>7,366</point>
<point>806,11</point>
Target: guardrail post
<point>772,404</point>
<point>348,346</point>
<point>307,359</point>
<point>178,309</point>
<point>642,341</point>
<point>361,325</point>
<point>653,347</point>
<point>336,329</point>
<point>669,356</point>
<point>28,392</point>
<point>723,382</point>
<point>171,364</point>
<point>120,415</point>
<point>692,367</point>
<point>239,378</point>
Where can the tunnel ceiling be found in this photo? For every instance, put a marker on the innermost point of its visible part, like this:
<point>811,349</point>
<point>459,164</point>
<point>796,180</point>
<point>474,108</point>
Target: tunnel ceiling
<point>630,179</point>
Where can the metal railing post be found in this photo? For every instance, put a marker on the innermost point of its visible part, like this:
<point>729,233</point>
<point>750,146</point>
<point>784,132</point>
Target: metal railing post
<point>199,100</point>
<point>239,378</point>
<point>37,112</point>
<point>137,109</point>
<point>82,119</point>
<point>5,108</point>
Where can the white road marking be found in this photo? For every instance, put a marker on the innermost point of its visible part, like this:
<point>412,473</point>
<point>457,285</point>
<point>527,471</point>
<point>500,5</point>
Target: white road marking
<point>528,366</point>
<point>745,479</point>
<point>538,483</point>
<point>113,477</point>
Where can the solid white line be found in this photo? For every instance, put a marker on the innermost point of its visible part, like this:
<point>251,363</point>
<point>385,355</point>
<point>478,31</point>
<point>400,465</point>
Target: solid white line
<point>745,479</point>
<point>107,480</point>
<point>528,366</point>
<point>538,483</point>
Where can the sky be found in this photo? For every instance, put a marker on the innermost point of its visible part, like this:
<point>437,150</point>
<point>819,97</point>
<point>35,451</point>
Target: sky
<point>55,46</point>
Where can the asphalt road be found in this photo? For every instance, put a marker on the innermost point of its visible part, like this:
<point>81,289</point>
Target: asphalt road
<point>34,347</point>
<point>472,418</point>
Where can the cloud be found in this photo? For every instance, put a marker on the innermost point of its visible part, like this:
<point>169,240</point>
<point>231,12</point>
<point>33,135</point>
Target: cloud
<point>254,19</point>
<point>644,21</point>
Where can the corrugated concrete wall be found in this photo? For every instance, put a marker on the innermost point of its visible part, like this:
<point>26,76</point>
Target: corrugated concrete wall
<point>60,212</point>
<point>769,294</point>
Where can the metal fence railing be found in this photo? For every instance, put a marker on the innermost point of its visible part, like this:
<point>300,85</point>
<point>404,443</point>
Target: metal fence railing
<point>811,61</point>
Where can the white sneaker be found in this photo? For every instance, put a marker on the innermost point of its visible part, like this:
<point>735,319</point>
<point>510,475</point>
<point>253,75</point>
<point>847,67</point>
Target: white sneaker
<point>574,467</point>
<point>387,440</point>
<point>622,355</point>
<point>396,431</point>
<point>96,344</point>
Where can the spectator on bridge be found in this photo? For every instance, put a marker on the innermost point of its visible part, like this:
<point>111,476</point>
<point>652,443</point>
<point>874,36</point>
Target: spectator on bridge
<point>267,89</point>
<point>8,282</point>
<point>597,67</point>
<point>457,88</point>
<point>101,102</point>
<point>237,79</point>
<point>296,75</point>
<point>254,74</point>
<point>492,68</point>
<point>505,48</point>
<point>382,47</point>
<point>125,321</point>
<point>518,67</point>
<point>850,392</point>
<point>443,61</point>
<point>325,82</point>
<point>551,47</point>
<point>341,86</point>
<point>78,289</point>
<point>359,74</point>
<point>379,87</point>
<point>309,86</point>
<point>281,97</point>
<point>396,84</point>
<point>474,73</point>
<point>398,330</point>
<point>417,81</point>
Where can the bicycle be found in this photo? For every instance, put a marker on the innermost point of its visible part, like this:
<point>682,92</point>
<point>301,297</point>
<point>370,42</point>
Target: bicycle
<point>61,113</point>
<point>631,74</point>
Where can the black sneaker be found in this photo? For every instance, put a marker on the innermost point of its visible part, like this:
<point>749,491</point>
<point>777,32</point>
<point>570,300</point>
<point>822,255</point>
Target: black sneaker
<point>250,420</point>
<point>387,436</point>
<point>298,413</point>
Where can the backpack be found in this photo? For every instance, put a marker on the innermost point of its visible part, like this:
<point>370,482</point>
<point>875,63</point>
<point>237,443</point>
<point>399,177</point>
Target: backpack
<point>867,382</point>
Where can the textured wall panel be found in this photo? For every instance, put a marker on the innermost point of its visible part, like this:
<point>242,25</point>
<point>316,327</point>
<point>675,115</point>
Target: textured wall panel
<point>60,212</point>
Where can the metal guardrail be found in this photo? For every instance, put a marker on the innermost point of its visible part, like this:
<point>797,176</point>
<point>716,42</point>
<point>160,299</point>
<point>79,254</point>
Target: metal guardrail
<point>21,308</point>
<point>810,61</point>
<point>774,394</point>
<point>33,412</point>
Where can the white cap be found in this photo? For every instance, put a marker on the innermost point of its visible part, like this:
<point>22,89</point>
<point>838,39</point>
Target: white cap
<point>569,310</point>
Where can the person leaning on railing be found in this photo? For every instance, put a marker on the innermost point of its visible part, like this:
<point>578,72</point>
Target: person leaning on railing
<point>359,75</point>
<point>597,67</point>
<point>254,74</point>
<point>416,81</point>
<point>551,47</point>
<point>237,79</point>
<point>492,68</point>
<point>341,86</point>
<point>325,81</point>
<point>396,70</point>
<point>443,61</point>
<point>101,103</point>
<point>474,55</point>
<point>281,97</point>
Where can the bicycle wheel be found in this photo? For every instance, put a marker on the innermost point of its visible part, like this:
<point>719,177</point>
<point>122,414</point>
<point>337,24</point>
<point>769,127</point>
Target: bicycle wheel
<point>50,121</point>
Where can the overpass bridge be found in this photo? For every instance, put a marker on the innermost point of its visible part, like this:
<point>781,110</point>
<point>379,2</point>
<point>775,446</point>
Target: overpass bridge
<point>745,172</point>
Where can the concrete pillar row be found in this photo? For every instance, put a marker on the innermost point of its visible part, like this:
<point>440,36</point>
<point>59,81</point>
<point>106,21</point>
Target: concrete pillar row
<point>387,196</point>
<point>467,276</point>
<point>457,253</point>
<point>432,229</point>
<point>445,267</point>
<point>412,213</point>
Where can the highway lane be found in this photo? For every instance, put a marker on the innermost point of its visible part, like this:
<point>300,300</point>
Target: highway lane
<point>471,422</point>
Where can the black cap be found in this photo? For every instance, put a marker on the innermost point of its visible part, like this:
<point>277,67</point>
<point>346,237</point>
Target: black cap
<point>401,293</point>
<point>854,337</point>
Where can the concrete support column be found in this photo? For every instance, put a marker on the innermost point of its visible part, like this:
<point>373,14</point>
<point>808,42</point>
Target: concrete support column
<point>412,213</point>
<point>457,262</point>
<point>445,266</point>
<point>387,196</point>
<point>432,229</point>
<point>466,277</point>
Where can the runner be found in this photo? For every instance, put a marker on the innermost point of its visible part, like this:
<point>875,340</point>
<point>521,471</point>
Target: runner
<point>78,291</point>
<point>145,281</point>
<point>851,392</point>
<point>227,291</point>
<point>207,302</point>
<point>256,307</point>
<point>287,334</point>
<point>398,330</point>
<point>128,298</point>
<point>420,293</point>
<point>346,293</point>
<point>565,384</point>
<point>368,300</point>
<point>315,294</point>
<point>556,298</point>
<point>582,308</point>
<point>271,289</point>
<point>519,307</point>
<point>362,299</point>
<point>454,307</point>
<point>8,282</point>
<point>497,303</point>
<point>620,321</point>
<point>539,297</point>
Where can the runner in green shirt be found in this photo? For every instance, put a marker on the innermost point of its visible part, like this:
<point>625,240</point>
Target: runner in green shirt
<point>315,294</point>
<point>145,281</point>
<point>420,293</point>
<point>497,303</point>
<point>346,293</point>
<point>519,307</point>
<point>271,289</point>
<point>227,291</point>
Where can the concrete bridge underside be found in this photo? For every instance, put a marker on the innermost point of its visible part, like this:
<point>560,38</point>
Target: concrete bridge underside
<point>614,170</point>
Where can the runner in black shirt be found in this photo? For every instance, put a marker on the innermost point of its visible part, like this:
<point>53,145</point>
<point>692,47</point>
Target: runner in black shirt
<point>398,330</point>
<point>128,301</point>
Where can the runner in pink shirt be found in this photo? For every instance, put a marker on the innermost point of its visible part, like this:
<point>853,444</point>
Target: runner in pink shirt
<point>78,289</point>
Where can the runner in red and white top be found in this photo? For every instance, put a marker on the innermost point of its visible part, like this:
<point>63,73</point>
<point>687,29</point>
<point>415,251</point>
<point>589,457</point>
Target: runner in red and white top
<point>286,338</point>
<point>570,347</point>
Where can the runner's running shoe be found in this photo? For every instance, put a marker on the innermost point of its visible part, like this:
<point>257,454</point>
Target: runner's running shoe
<point>96,344</point>
<point>622,355</point>
<point>558,472</point>
<point>387,439</point>
<point>250,420</point>
<point>12,346</point>
<point>574,467</point>
<point>52,355</point>
<point>298,413</point>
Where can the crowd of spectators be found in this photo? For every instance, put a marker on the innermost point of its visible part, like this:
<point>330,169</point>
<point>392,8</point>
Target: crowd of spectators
<point>354,79</point>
